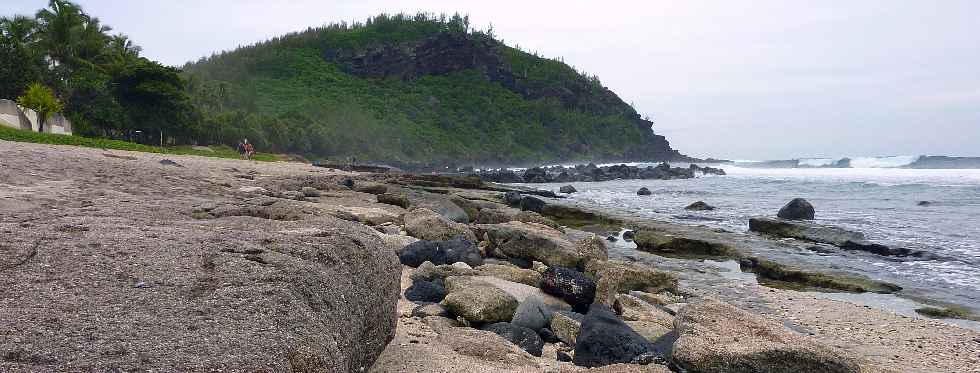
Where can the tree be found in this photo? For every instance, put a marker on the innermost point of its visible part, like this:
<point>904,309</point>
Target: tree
<point>40,99</point>
<point>154,98</point>
<point>20,63</point>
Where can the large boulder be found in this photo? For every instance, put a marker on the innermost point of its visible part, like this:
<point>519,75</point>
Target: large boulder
<point>573,286</point>
<point>479,303</point>
<point>512,198</point>
<point>592,247</point>
<point>615,277</point>
<point>533,314</point>
<point>497,216</point>
<point>441,252</point>
<point>716,337</point>
<point>395,199</point>
<point>442,205</point>
<point>669,244</point>
<point>566,326</point>
<point>527,339</point>
<point>797,209</point>
<point>807,231</point>
<point>531,242</point>
<point>643,192</point>
<point>427,271</point>
<point>426,224</point>
<point>605,339</point>
<point>567,189</point>
<point>425,292</point>
<point>535,204</point>
<point>699,206</point>
<point>511,273</point>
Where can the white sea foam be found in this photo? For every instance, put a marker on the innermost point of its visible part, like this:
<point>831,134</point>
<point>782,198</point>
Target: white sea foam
<point>817,162</point>
<point>884,162</point>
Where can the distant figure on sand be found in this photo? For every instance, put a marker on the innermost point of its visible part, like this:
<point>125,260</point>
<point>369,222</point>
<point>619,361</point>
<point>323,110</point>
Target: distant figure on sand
<point>241,149</point>
<point>245,150</point>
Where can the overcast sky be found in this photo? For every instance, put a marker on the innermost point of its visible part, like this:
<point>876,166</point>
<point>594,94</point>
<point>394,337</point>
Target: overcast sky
<point>733,79</point>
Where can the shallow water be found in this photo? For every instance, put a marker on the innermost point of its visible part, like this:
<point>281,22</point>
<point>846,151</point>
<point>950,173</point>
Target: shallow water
<point>880,202</point>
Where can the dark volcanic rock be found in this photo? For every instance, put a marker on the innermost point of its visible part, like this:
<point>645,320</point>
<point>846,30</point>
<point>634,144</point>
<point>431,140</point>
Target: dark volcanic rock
<point>426,291</point>
<point>441,252</point>
<point>573,286</point>
<point>567,189</point>
<point>347,182</point>
<point>797,209</point>
<point>644,192</point>
<point>628,235</point>
<point>525,338</point>
<point>699,206</point>
<point>535,204</point>
<point>512,199</point>
<point>605,339</point>
<point>591,172</point>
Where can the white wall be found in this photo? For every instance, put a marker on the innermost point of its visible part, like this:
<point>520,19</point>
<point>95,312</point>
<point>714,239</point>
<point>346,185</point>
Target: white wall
<point>12,115</point>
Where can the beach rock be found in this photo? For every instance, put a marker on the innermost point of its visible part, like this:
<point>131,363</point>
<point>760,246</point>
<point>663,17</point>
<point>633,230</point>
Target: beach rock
<point>530,241</point>
<point>367,215</point>
<point>442,205</point>
<point>535,175</point>
<point>629,235</point>
<point>567,189</point>
<point>512,199</point>
<point>293,195</point>
<point>529,203</point>
<point>510,273</point>
<point>310,192</point>
<point>807,231</point>
<point>255,190</point>
<point>497,216</point>
<point>574,287</point>
<point>480,303</point>
<point>615,277</point>
<point>425,291</point>
<point>538,266</point>
<point>395,199</point>
<point>429,310</point>
<point>441,252</point>
<point>631,308</point>
<point>644,192</point>
<point>604,339</point>
<point>797,209</point>
<point>371,188</point>
<point>566,326</point>
<point>923,203</point>
<point>699,206</point>
<point>548,336</point>
<point>521,292</point>
<point>652,331</point>
<point>527,339</point>
<point>427,271</point>
<point>592,247</point>
<point>664,243</point>
<point>622,368</point>
<point>485,346</point>
<point>167,162</point>
<point>346,182</point>
<point>716,337</point>
<point>533,314</point>
<point>426,224</point>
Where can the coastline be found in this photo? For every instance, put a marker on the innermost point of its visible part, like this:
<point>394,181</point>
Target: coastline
<point>162,200</point>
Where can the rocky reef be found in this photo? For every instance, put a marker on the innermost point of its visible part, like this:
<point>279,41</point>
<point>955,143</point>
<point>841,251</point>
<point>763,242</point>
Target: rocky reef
<point>591,172</point>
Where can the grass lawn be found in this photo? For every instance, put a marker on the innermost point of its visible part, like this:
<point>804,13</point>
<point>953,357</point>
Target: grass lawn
<point>219,151</point>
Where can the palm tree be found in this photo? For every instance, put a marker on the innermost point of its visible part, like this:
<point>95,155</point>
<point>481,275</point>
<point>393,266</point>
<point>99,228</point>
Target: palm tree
<point>59,30</point>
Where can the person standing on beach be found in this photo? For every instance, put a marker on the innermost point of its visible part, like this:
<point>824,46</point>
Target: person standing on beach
<point>241,149</point>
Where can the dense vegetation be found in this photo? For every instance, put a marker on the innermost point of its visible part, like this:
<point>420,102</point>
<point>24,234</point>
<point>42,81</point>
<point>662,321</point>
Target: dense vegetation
<point>401,89</point>
<point>107,88</point>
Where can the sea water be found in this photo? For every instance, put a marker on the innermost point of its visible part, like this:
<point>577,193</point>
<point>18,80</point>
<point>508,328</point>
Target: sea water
<point>883,203</point>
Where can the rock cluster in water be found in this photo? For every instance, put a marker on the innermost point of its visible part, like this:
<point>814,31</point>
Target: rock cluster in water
<point>591,172</point>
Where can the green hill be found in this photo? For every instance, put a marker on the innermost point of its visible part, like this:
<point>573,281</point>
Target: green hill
<point>414,89</point>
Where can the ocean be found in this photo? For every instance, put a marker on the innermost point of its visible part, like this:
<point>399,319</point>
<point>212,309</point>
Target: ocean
<point>882,202</point>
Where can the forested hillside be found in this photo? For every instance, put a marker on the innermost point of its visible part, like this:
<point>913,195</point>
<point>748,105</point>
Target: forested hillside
<point>414,89</point>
